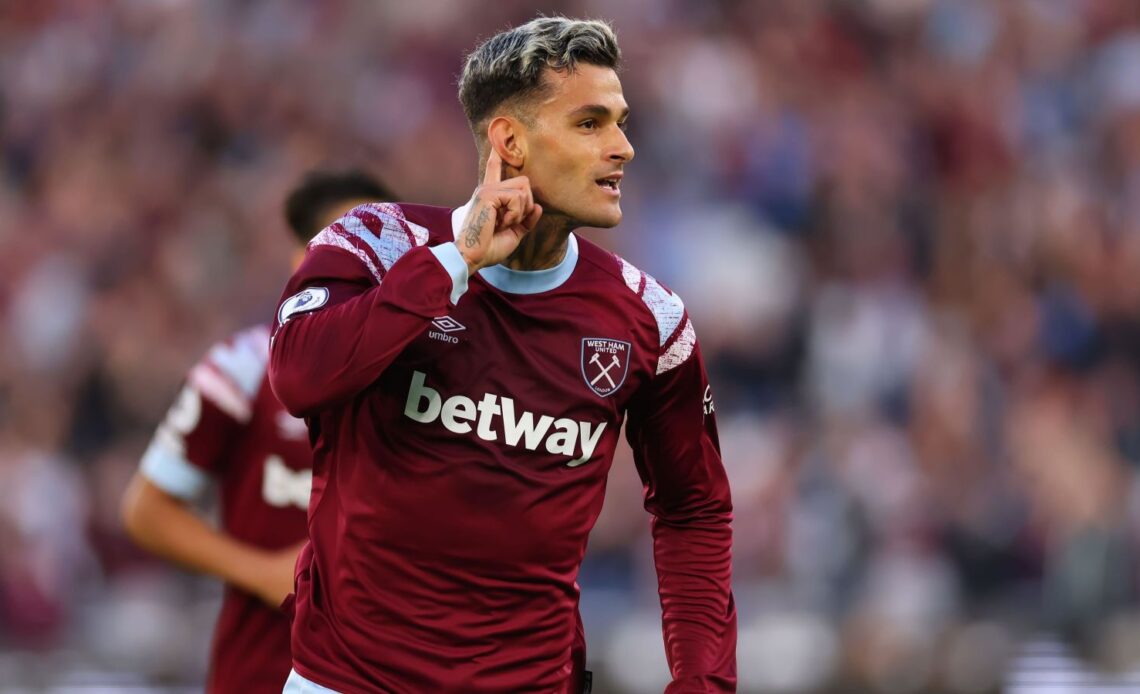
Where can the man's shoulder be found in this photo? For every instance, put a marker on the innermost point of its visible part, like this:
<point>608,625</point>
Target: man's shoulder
<point>233,370</point>
<point>436,219</point>
<point>666,306</point>
<point>243,356</point>
<point>379,234</point>
<point>607,262</point>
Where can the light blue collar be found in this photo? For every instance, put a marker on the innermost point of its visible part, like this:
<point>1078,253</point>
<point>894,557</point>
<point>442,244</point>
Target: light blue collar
<point>523,281</point>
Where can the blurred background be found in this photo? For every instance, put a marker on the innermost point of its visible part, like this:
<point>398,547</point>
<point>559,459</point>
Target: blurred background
<point>908,232</point>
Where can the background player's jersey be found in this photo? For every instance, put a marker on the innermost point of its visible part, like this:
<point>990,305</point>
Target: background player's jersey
<point>227,426</point>
<point>461,454</point>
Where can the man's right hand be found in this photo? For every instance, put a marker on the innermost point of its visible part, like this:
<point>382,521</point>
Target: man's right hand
<point>273,579</point>
<point>501,214</point>
<point>168,527</point>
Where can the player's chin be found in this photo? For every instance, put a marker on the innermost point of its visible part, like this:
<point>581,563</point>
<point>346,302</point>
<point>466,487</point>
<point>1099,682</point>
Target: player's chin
<point>604,217</point>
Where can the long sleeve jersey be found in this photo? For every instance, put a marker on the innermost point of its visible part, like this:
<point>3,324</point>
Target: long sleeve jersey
<point>463,429</point>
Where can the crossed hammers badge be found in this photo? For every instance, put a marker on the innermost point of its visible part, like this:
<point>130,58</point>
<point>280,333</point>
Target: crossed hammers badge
<point>605,363</point>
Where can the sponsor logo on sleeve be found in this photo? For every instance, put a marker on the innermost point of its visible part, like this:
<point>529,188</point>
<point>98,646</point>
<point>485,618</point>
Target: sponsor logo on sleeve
<point>302,302</point>
<point>605,363</point>
<point>709,406</point>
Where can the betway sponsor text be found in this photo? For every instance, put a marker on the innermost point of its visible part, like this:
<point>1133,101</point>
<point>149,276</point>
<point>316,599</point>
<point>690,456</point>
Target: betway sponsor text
<point>494,415</point>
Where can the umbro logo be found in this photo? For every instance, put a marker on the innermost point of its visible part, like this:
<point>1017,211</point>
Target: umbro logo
<point>448,324</point>
<point>445,325</point>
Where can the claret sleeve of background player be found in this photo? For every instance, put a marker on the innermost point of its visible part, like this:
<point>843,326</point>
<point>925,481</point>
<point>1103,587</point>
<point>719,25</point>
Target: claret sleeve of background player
<point>672,430</point>
<point>340,324</point>
<point>211,410</point>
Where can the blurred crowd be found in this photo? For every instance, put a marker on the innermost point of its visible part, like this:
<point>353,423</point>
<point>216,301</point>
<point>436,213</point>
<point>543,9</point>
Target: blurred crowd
<point>908,232</point>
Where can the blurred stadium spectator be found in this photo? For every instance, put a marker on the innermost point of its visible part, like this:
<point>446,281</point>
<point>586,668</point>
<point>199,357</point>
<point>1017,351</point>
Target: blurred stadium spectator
<point>926,212</point>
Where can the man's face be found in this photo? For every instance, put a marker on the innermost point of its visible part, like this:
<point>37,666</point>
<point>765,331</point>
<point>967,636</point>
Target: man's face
<point>576,147</point>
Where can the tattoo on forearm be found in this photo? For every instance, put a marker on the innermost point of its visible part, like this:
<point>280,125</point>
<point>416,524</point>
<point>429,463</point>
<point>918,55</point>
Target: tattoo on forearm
<point>471,233</point>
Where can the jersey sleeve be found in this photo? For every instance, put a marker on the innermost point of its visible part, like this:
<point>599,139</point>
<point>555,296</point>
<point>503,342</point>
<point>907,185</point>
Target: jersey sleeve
<point>369,284</point>
<point>672,430</point>
<point>213,407</point>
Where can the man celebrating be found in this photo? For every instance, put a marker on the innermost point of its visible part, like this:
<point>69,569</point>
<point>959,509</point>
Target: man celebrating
<point>465,375</point>
<point>226,425</point>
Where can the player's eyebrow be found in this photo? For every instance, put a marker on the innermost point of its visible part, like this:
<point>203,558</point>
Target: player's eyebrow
<point>597,111</point>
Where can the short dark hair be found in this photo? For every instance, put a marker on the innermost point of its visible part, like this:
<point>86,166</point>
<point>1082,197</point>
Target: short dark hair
<point>509,65</point>
<point>307,203</point>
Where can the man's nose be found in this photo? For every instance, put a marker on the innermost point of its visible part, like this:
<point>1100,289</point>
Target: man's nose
<point>623,150</point>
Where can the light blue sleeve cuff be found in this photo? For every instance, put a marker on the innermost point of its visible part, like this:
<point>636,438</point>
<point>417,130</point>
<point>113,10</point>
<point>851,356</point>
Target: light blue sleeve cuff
<point>452,261</point>
<point>169,470</point>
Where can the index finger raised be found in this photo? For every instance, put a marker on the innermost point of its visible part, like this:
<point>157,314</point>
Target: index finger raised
<point>494,172</point>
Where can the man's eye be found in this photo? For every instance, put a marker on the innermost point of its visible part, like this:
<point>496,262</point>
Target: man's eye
<point>623,125</point>
<point>588,124</point>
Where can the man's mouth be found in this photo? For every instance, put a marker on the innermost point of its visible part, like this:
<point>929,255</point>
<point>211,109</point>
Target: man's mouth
<point>610,183</point>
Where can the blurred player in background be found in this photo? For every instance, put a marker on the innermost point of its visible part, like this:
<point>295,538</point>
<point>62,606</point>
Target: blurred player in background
<point>226,426</point>
<point>465,375</point>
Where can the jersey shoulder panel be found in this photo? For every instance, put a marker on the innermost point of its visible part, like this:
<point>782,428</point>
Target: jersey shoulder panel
<point>676,336</point>
<point>231,373</point>
<point>377,234</point>
<point>437,220</point>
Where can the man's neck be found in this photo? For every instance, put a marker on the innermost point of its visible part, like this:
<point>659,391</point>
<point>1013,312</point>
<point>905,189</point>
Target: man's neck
<point>544,247</point>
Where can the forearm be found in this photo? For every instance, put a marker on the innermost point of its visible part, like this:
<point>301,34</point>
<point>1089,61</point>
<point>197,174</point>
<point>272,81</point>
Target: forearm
<point>672,430</point>
<point>329,355</point>
<point>694,572</point>
<point>164,526</point>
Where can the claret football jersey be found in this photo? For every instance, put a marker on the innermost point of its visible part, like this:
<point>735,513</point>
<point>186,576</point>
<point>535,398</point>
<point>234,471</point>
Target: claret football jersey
<point>227,428</point>
<point>463,429</point>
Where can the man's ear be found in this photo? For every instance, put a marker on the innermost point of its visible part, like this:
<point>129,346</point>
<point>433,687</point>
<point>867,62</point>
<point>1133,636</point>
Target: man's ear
<point>507,135</point>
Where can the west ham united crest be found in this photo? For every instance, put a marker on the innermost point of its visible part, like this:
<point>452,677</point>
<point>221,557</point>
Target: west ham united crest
<point>605,363</point>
